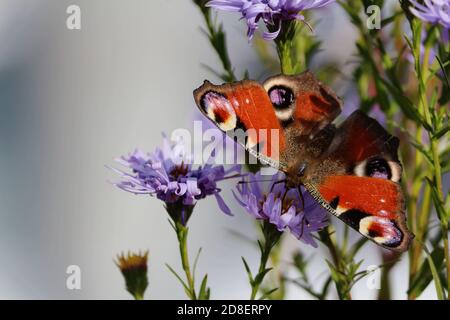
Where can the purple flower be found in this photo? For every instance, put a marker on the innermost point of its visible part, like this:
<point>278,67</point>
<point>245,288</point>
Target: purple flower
<point>282,210</point>
<point>433,11</point>
<point>272,12</point>
<point>168,174</point>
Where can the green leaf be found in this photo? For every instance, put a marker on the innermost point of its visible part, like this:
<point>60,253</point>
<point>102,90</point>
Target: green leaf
<point>308,288</point>
<point>423,276</point>
<point>406,105</point>
<point>391,19</point>
<point>437,281</point>
<point>267,294</point>
<point>325,289</point>
<point>443,65</point>
<point>356,247</point>
<point>186,288</point>
<point>438,204</point>
<point>249,272</point>
<point>194,267</point>
<point>423,151</point>
<point>260,276</point>
<point>334,273</point>
<point>441,132</point>
<point>300,263</point>
<point>204,290</point>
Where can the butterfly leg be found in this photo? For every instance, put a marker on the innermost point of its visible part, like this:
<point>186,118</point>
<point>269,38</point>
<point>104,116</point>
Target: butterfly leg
<point>277,182</point>
<point>302,199</point>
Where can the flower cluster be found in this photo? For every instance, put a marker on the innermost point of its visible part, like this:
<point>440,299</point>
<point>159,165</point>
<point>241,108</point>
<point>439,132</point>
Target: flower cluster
<point>282,207</point>
<point>433,11</point>
<point>168,174</point>
<point>272,12</point>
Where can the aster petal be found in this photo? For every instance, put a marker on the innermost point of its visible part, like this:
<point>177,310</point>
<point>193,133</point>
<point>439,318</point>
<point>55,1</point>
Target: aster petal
<point>222,205</point>
<point>272,35</point>
<point>181,190</point>
<point>254,185</point>
<point>192,187</point>
<point>268,205</point>
<point>432,11</point>
<point>256,10</point>
<point>253,207</point>
<point>275,215</point>
<point>225,5</point>
<point>242,203</point>
<point>287,217</point>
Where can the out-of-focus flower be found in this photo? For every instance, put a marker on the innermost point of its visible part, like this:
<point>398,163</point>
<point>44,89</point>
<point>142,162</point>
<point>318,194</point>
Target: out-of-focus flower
<point>272,12</point>
<point>285,211</point>
<point>168,174</point>
<point>432,11</point>
<point>134,270</point>
<point>431,54</point>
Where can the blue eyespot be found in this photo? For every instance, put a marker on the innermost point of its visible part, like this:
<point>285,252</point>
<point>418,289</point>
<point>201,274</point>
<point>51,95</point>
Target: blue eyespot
<point>378,168</point>
<point>281,97</point>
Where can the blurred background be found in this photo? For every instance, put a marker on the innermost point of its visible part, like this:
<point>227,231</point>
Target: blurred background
<point>71,101</point>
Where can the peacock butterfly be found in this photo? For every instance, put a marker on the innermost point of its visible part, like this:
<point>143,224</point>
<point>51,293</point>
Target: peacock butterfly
<point>352,169</point>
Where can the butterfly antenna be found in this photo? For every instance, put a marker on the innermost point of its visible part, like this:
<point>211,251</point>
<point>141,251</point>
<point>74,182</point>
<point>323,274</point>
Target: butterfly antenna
<point>244,182</point>
<point>275,183</point>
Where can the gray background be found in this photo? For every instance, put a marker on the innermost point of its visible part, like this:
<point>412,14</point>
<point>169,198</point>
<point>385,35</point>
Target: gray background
<point>71,102</point>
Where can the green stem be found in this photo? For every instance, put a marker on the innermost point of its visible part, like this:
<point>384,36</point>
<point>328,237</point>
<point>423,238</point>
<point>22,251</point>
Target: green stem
<point>385,290</point>
<point>336,255</point>
<point>389,261</point>
<point>284,47</point>
<point>182,233</point>
<point>444,230</point>
<point>217,39</point>
<point>262,266</point>
<point>423,74</point>
<point>279,279</point>
<point>271,237</point>
<point>284,52</point>
<point>444,222</point>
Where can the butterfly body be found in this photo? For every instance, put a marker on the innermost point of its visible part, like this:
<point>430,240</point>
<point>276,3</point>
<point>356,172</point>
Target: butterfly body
<point>352,169</point>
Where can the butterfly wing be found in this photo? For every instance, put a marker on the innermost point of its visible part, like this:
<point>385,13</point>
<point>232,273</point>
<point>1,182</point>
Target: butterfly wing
<point>311,106</point>
<point>244,108</point>
<point>353,170</point>
<point>268,112</point>
<point>357,179</point>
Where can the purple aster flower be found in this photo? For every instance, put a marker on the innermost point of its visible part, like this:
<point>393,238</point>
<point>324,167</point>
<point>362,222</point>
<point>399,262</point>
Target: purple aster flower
<point>168,174</point>
<point>282,210</point>
<point>433,11</point>
<point>272,12</point>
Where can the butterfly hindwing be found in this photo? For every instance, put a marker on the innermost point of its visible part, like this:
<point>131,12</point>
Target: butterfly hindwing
<point>362,189</point>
